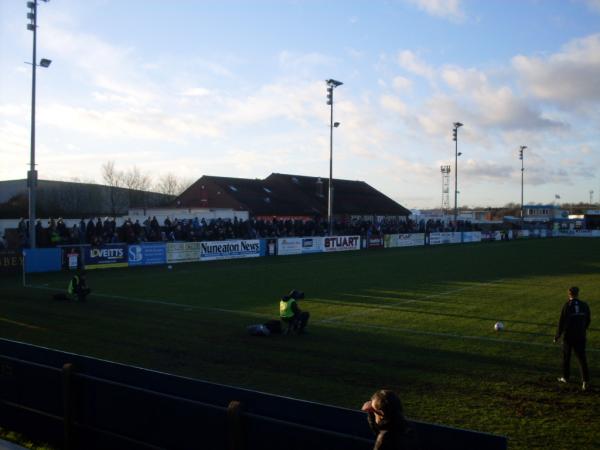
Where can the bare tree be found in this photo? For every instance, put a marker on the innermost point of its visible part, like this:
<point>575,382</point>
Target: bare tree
<point>115,180</point>
<point>137,184</point>
<point>169,184</point>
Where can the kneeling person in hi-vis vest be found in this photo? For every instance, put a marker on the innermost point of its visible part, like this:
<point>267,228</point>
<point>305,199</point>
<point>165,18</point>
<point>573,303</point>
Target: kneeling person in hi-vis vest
<point>78,286</point>
<point>290,312</point>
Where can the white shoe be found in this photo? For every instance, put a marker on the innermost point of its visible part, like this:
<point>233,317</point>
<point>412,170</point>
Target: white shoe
<point>585,386</point>
<point>562,380</point>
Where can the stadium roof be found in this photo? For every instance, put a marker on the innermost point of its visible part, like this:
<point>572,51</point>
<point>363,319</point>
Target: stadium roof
<point>289,195</point>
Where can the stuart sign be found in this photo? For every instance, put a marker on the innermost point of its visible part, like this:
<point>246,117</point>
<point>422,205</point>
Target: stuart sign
<point>341,243</point>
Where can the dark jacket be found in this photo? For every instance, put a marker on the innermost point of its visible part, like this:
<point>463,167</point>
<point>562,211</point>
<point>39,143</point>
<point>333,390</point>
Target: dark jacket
<point>393,435</point>
<point>574,321</point>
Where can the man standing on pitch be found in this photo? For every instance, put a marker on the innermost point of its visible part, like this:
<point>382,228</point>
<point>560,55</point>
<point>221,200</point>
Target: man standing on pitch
<point>574,321</point>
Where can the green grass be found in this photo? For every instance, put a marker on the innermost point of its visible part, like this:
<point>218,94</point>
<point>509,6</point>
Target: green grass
<point>417,320</point>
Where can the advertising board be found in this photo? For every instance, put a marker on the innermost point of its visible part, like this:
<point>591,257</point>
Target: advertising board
<point>147,254</point>
<point>179,252</point>
<point>11,261</point>
<point>341,243</point>
<point>247,248</point>
<point>375,242</point>
<point>105,256</point>
<point>404,240</point>
<point>578,233</point>
<point>297,246</point>
<point>471,236</point>
<point>446,237</point>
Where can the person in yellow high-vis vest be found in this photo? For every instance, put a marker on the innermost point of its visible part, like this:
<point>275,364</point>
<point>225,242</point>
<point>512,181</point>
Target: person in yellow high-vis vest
<point>290,312</point>
<point>78,286</point>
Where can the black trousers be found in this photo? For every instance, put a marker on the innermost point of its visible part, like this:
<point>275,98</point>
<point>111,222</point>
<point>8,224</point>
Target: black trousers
<point>298,322</point>
<point>577,347</point>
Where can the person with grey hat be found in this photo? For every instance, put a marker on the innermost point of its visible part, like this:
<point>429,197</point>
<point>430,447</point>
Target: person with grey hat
<point>290,312</point>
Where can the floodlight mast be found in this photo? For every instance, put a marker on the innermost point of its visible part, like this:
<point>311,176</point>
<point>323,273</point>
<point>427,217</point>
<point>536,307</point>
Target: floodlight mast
<point>456,126</point>
<point>522,158</point>
<point>32,176</point>
<point>331,85</point>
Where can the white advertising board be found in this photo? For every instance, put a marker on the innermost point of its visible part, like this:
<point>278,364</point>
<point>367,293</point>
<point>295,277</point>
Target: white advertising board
<point>341,243</point>
<point>297,246</point>
<point>178,252</point>
<point>579,233</point>
<point>404,240</point>
<point>448,237</point>
<point>247,248</point>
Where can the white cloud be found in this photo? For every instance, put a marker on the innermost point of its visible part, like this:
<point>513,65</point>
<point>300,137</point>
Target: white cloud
<point>196,92</point>
<point>394,104</point>
<point>569,77</point>
<point>449,9</point>
<point>594,5</point>
<point>411,62</point>
<point>402,83</point>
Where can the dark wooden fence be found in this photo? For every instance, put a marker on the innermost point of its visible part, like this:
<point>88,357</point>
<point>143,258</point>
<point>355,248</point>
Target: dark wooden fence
<point>76,402</point>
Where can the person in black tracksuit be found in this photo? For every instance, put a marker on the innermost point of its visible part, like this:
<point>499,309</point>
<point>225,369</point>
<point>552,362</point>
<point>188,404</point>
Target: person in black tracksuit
<point>575,319</point>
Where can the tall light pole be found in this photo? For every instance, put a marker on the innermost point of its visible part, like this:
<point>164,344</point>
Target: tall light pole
<point>521,157</point>
<point>331,85</point>
<point>32,173</point>
<point>456,125</point>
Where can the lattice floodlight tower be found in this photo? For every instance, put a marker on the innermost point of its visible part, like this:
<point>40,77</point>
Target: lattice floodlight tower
<point>445,189</point>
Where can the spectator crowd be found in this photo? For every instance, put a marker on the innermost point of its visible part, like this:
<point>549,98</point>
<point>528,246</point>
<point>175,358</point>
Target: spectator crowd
<point>100,231</point>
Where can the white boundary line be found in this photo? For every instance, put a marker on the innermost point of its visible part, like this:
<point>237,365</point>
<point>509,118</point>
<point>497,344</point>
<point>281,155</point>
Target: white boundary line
<point>336,324</point>
<point>163,303</point>
<point>404,301</point>
<point>453,335</point>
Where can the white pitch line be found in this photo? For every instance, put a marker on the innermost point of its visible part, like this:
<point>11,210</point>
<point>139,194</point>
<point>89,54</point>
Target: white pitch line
<point>404,301</point>
<point>335,324</point>
<point>164,303</point>
<point>449,335</point>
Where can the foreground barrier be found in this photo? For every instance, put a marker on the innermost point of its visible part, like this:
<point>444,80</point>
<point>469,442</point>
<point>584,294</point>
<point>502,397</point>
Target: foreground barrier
<point>76,402</point>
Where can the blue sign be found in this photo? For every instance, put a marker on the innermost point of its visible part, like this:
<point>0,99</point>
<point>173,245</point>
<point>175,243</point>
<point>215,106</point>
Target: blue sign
<point>147,254</point>
<point>106,256</point>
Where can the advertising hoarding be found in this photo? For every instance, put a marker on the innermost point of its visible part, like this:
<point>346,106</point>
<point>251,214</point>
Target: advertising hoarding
<point>298,246</point>
<point>147,254</point>
<point>446,237</point>
<point>341,243</point>
<point>179,252</point>
<point>243,248</point>
<point>404,240</point>
<point>471,236</point>
<point>375,242</point>
<point>105,256</point>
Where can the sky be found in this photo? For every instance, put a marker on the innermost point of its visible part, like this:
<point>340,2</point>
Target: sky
<point>237,88</point>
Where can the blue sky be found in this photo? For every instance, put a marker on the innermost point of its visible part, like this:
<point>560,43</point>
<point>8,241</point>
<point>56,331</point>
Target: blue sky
<point>236,88</point>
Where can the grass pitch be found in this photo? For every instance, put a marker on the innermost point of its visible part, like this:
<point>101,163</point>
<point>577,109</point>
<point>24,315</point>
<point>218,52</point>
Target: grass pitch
<point>417,320</point>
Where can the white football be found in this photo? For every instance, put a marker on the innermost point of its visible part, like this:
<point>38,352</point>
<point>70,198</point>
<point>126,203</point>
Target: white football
<point>498,326</point>
<point>169,266</point>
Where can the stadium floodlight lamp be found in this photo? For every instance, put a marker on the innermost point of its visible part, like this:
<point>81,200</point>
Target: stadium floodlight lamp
<point>455,127</point>
<point>521,156</point>
<point>32,175</point>
<point>331,85</point>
